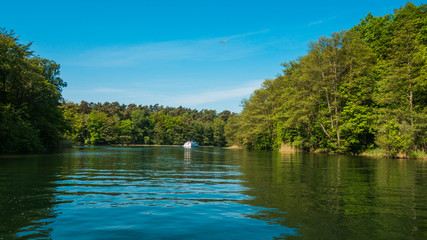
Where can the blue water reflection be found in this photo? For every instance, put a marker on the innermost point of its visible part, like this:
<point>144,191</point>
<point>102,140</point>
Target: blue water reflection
<point>149,193</point>
<point>210,193</point>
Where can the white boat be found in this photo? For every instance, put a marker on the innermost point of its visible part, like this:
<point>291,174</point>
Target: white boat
<point>190,144</point>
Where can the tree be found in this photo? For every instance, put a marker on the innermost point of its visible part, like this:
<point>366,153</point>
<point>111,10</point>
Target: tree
<point>341,94</point>
<point>402,73</point>
<point>127,131</point>
<point>97,127</point>
<point>30,92</point>
<point>395,138</point>
<point>16,133</point>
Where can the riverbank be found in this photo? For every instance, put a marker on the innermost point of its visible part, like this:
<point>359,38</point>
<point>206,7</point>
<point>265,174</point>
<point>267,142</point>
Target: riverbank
<point>144,145</point>
<point>370,153</point>
<point>289,149</point>
<point>381,153</point>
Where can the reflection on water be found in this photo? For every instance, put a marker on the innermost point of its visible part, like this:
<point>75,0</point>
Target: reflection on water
<point>339,197</point>
<point>187,155</point>
<point>26,197</point>
<point>210,193</point>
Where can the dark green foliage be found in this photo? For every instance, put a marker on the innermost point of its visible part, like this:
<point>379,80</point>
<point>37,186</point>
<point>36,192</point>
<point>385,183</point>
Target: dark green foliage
<point>353,91</point>
<point>30,93</point>
<point>395,138</point>
<point>112,123</point>
<point>16,133</point>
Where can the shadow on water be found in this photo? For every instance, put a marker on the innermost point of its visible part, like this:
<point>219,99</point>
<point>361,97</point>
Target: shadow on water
<point>339,197</point>
<point>27,196</point>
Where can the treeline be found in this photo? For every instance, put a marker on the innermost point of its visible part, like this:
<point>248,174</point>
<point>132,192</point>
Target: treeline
<point>34,117</point>
<point>30,93</point>
<point>114,123</point>
<point>355,90</point>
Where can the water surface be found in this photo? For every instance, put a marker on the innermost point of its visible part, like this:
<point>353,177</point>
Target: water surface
<point>210,193</point>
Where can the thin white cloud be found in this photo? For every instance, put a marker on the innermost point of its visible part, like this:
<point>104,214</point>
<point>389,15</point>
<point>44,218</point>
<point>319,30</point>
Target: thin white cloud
<point>231,95</point>
<point>216,95</point>
<point>321,21</point>
<point>248,34</point>
<point>198,50</point>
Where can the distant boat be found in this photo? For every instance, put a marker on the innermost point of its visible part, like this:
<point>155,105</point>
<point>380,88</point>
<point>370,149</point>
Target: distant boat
<point>190,144</point>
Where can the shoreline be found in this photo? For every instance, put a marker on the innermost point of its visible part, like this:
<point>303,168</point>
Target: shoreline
<point>283,149</point>
<point>372,153</point>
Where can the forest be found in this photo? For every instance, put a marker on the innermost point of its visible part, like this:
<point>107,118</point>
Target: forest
<point>35,118</point>
<point>354,91</point>
<point>112,123</point>
<point>30,97</point>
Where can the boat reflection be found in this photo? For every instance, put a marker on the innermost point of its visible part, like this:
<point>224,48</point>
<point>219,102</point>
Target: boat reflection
<point>187,155</point>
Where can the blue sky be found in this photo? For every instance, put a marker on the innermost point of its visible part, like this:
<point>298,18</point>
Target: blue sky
<point>169,52</point>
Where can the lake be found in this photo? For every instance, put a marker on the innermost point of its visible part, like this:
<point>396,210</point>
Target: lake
<point>210,193</point>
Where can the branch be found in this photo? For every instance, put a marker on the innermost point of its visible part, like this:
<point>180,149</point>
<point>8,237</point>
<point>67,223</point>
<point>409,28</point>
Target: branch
<point>324,130</point>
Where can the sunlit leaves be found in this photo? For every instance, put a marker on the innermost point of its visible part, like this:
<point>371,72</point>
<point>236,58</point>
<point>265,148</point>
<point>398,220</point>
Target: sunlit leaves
<point>354,90</point>
<point>30,87</point>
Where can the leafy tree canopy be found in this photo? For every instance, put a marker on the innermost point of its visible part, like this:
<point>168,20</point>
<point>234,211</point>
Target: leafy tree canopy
<point>30,94</point>
<point>354,90</point>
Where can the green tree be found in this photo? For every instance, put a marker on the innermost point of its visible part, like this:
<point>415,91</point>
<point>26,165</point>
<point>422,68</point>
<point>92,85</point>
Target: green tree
<point>30,87</point>
<point>16,133</point>
<point>76,132</point>
<point>97,125</point>
<point>395,138</point>
<point>127,130</point>
<point>218,132</point>
<point>402,72</point>
<point>339,96</point>
<point>141,121</point>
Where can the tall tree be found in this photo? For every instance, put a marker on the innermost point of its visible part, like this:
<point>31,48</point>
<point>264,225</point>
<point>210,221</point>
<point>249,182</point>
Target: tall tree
<point>406,59</point>
<point>30,91</point>
<point>341,94</point>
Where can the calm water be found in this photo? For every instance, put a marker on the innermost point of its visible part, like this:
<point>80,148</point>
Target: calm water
<point>210,193</point>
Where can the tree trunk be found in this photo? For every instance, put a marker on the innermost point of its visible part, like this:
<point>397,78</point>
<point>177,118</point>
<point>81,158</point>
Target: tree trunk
<point>329,102</point>
<point>411,107</point>
<point>335,102</point>
<point>324,130</point>
<point>329,109</point>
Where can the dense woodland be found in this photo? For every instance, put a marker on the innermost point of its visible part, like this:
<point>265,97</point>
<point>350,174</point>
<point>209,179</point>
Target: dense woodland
<point>30,95</point>
<point>355,90</point>
<point>112,123</point>
<point>34,117</point>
